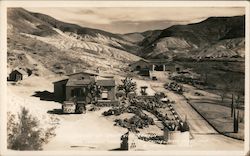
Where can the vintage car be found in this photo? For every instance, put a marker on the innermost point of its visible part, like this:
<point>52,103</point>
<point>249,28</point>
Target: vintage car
<point>68,107</point>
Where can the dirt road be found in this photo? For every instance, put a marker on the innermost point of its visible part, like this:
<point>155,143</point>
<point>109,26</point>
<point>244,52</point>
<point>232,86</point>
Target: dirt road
<point>197,123</point>
<point>200,130</point>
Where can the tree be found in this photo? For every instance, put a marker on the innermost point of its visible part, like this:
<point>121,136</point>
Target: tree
<point>25,133</point>
<point>204,70</point>
<point>127,86</point>
<point>231,83</point>
<point>236,83</point>
<point>223,92</point>
<point>237,88</point>
<point>95,91</point>
<point>224,85</point>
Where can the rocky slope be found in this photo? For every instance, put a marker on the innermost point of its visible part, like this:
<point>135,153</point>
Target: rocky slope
<point>61,46</point>
<point>214,37</point>
<point>133,37</point>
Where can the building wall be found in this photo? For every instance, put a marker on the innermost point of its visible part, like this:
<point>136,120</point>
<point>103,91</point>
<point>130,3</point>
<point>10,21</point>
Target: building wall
<point>111,93</point>
<point>179,138</point>
<point>68,93</point>
<point>12,76</point>
<point>169,66</point>
<point>69,89</point>
<point>59,90</point>
<point>141,64</point>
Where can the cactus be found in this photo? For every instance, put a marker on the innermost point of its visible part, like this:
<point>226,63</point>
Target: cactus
<point>232,106</point>
<point>236,121</point>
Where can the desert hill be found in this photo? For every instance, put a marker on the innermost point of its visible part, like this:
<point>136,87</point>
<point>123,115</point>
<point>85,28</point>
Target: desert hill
<point>61,46</point>
<point>198,39</point>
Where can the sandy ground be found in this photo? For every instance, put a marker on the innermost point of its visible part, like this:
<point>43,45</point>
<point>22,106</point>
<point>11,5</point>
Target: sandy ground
<point>89,131</point>
<point>92,131</point>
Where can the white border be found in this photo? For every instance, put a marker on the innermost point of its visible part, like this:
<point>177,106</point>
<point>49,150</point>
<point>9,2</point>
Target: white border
<point>3,65</point>
<point>59,3</point>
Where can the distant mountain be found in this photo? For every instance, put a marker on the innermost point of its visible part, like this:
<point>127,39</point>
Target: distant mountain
<point>133,37</point>
<point>61,46</point>
<point>35,38</point>
<point>189,40</point>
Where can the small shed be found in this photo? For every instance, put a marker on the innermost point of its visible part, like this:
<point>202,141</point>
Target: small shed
<point>18,75</point>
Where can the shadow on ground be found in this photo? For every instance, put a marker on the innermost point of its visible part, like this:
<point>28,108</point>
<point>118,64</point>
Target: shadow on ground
<point>55,111</point>
<point>117,149</point>
<point>89,147</point>
<point>45,95</point>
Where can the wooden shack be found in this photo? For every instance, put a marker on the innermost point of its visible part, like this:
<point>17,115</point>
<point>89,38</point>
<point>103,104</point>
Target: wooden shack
<point>17,75</point>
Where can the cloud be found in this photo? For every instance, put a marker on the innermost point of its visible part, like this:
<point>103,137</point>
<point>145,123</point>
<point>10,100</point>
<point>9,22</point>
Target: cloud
<point>86,11</point>
<point>124,20</point>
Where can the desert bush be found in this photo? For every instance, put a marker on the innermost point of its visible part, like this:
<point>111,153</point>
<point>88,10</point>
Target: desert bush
<point>183,127</point>
<point>120,94</point>
<point>25,133</point>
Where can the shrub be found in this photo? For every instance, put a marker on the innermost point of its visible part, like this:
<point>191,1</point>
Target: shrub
<point>127,85</point>
<point>183,127</point>
<point>24,133</point>
<point>120,94</point>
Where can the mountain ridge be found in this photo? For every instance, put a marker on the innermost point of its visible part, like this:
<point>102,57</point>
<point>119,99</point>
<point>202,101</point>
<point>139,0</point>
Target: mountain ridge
<point>43,37</point>
<point>198,35</point>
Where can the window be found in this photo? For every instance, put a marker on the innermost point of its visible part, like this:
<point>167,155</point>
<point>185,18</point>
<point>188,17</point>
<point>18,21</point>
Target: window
<point>177,69</point>
<point>138,67</point>
<point>78,92</point>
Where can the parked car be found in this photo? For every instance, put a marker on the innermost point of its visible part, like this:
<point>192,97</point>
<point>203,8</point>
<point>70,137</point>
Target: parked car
<point>68,107</point>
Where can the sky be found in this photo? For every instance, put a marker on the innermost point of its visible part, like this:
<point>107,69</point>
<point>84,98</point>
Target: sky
<point>135,19</point>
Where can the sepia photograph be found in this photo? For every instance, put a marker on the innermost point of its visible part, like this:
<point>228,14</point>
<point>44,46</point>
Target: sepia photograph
<point>140,77</point>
